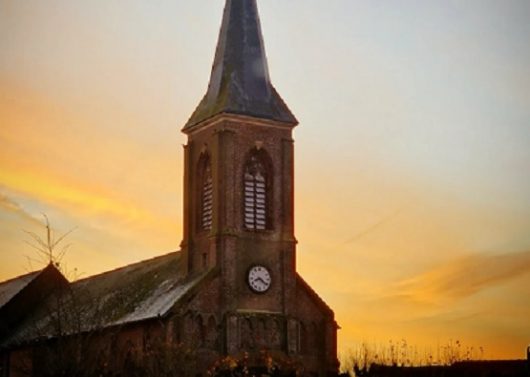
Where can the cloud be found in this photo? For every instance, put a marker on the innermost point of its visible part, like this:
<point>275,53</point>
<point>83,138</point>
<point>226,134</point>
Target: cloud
<point>60,159</point>
<point>74,197</point>
<point>374,227</point>
<point>9,204</point>
<point>464,277</point>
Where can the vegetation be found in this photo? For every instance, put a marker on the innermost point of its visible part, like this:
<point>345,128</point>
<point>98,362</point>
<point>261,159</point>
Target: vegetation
<point>402,354</point>
<point>244,366</point>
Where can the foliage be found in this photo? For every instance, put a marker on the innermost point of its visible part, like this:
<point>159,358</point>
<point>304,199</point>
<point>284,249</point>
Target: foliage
<point>266,363</point>
<point>401,354</point>
<point>162,359</point>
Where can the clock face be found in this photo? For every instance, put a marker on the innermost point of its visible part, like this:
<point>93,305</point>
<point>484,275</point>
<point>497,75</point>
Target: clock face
<point>259,279</point>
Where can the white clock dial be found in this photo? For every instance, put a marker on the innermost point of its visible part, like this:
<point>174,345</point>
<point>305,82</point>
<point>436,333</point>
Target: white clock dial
<point>259,279</point>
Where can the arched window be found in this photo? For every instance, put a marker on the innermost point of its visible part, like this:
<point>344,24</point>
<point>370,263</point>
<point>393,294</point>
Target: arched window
<point>257,191</point>
<point>211,333</point>
<point>205,193</point>
<point>275,334</point>
<point>303,339</point>
<point>200,335</point>
<point>246,334</point>
<point>314,338</point>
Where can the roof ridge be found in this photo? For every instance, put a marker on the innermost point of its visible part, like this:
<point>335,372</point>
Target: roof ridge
<point>126,266</point>
<point>313,292</point>
<point>22,276</point>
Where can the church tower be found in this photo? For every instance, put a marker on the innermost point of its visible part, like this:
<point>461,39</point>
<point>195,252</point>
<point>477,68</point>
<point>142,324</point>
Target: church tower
<point>239,203</point>
<point>239,170</point>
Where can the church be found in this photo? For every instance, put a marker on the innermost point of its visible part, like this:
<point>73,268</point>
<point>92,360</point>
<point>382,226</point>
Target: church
<point>231,294</point>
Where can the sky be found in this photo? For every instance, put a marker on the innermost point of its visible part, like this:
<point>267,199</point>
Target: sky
<point>412,153</point>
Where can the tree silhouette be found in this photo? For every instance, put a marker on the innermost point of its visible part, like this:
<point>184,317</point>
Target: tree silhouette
<point>50,249</point>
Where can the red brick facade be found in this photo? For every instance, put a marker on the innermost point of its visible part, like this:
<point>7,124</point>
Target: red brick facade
<point>288,317</point>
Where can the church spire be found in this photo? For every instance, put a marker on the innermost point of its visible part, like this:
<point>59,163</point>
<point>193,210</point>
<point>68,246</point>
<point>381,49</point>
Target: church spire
<point>240,82</point>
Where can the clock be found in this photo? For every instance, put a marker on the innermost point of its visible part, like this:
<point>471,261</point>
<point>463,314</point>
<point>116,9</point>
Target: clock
<point>259,279</point>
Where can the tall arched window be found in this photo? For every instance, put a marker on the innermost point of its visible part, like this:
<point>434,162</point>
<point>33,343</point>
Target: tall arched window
<point>205,193</point>
<point>257,191</point>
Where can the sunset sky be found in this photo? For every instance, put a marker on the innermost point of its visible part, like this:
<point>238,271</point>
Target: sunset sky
<point>412,154</point>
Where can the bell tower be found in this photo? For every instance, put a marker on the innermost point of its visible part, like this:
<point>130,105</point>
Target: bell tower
<point>239,203</point>
<point>239,171</point>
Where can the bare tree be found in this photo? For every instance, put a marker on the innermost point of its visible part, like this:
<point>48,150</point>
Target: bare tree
<point>49,249</point>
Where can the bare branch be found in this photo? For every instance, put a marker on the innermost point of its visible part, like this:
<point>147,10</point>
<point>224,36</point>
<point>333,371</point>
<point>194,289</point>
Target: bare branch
<point>43,253</point>
<point>63,237</point>
<point>37,239</point>
<point>47,247</point>
<point>59,257</point>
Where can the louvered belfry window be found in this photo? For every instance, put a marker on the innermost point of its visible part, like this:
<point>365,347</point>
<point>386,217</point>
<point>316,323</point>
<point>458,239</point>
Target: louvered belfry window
<point>206,196</point>
<point>256,193</point>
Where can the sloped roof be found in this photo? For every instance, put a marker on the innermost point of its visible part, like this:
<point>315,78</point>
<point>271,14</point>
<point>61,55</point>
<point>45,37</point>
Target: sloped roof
<point>10,288</point>
<point>314,295</point>
<point>29,291</point>
<point>240,82</point>
<point>137,292</point>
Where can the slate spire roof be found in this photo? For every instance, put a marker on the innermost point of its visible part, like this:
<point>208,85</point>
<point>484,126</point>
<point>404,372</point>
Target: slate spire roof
<point>240,82</point>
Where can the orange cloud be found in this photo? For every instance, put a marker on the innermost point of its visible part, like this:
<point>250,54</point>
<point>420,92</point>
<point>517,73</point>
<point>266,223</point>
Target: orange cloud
<point>464,277</point>
<point>77,197</point>
<point>39,141</point>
